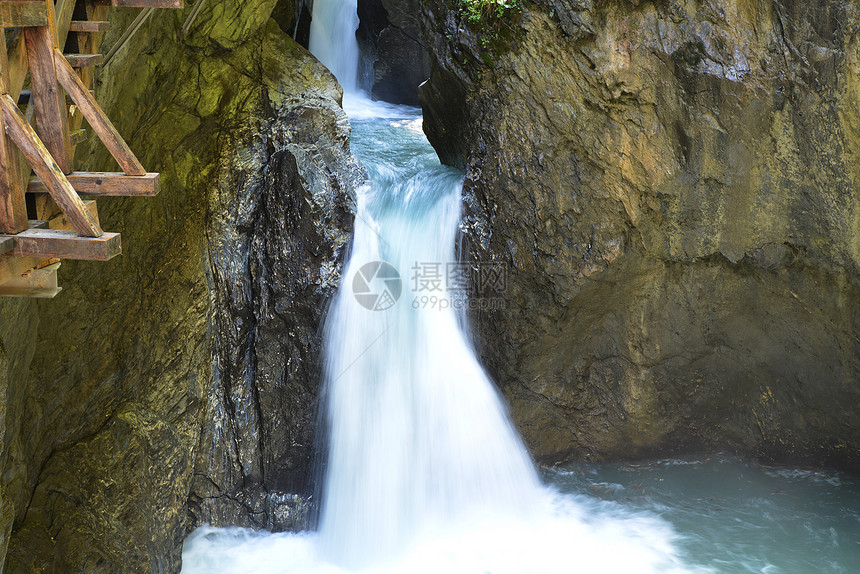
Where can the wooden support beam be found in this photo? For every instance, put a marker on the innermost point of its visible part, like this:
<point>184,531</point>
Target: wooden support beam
<point>51,114</point>
<point>64,244</point>
<point>17,64</point>
<point>89,44</point>
<point>97,119</point>
<point>19,13</point>
<point>88,26</point>
<point>64,10</point>
<point>13,207</point>
<point>143,3</point>
<point>84,60</point>
<point>107,184</point>
<point>47,169</point>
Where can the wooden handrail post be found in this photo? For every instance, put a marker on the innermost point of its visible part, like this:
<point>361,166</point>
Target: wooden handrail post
<point>47,169</point>
<point>13,207</point>
<point>52,123</point>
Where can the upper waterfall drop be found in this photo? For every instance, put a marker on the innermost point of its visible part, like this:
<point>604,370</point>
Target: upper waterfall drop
<point>333,42</point>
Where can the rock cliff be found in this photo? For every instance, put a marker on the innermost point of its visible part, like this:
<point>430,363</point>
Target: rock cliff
<point>176,384</point>
<point>673,188</point>
<point>395,48</point>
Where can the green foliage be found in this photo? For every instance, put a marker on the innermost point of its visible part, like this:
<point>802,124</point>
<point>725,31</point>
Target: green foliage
<point>494,21</point>
<point>487,12</point>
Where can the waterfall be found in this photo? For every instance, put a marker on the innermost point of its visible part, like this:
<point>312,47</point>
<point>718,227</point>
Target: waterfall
<point>332,41</point>
<point>424,472</point>
<point>418,436</point>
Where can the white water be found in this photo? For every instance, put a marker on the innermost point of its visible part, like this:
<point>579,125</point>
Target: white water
<point>425,472</point>
<point>332,41</point>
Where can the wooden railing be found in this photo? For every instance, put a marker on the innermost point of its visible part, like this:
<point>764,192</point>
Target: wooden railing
<point>56,223</point>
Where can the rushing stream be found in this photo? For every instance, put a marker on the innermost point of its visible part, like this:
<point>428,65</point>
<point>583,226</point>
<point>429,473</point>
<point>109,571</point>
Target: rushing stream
<point>424,471</point>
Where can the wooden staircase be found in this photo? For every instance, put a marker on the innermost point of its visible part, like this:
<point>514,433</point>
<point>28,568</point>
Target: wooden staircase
<point>43,217</point>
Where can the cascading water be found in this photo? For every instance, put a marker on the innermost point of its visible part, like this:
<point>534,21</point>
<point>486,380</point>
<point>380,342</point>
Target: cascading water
<point>333,26</point>
<point>424,471</point>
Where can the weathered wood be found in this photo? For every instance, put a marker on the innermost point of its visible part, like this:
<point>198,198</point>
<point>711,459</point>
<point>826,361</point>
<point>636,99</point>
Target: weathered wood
<point>84,60</point>
<point>64,10</point>
<point>143,3</point>
<point>13,207</point>
<point>19,13</point>
<point>61,221</point>
<point>66,245</point>
<point>107,184</point>
<point>89,44</point>
<point>88,27</point>
<point>51,113</point>
<point>47,169</point>
<point>17,64</point>
<point>97,119</point>
<point>40,283</point>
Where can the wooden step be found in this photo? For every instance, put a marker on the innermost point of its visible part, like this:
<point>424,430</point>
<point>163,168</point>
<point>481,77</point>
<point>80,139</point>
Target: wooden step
<point>64,244</point>
<point>107,184</point>
<point>84,60</point>
<point>21,13</point>
<point>143,3</point>
<point>89,26</point>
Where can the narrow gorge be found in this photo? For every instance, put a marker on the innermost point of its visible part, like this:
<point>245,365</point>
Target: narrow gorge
<point>627,327</point>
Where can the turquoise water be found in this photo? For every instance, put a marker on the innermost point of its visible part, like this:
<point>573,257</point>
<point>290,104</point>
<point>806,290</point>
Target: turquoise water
<point>425,474</point>
<point>732,515</point>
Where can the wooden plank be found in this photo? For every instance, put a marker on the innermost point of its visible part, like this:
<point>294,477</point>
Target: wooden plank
<point>89,44</point>
<point>97,119</point>
<point>61,221</point>
<point>47,169</point>
<point>65,244</point>
<point>88,26</point>
<point>13,206</point>
<point>107,184</point>
<point>64,10</point>
<point>143,3</point>
<point>84,60</point>
<point>19,13</point>
<point>18,65</point>
<point>51,113</point>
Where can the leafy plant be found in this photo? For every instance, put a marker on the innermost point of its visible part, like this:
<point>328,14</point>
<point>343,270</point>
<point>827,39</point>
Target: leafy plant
<point>493,20</point>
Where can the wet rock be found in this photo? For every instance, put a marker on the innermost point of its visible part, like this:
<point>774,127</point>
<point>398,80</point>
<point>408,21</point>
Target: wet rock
<point>177,383</point>
<point>390,33</point>
<point>672,187</point>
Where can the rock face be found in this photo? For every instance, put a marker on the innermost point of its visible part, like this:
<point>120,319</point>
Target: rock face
<point>673,187</point>
<point>390,34</point>
<point>177,383</point>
